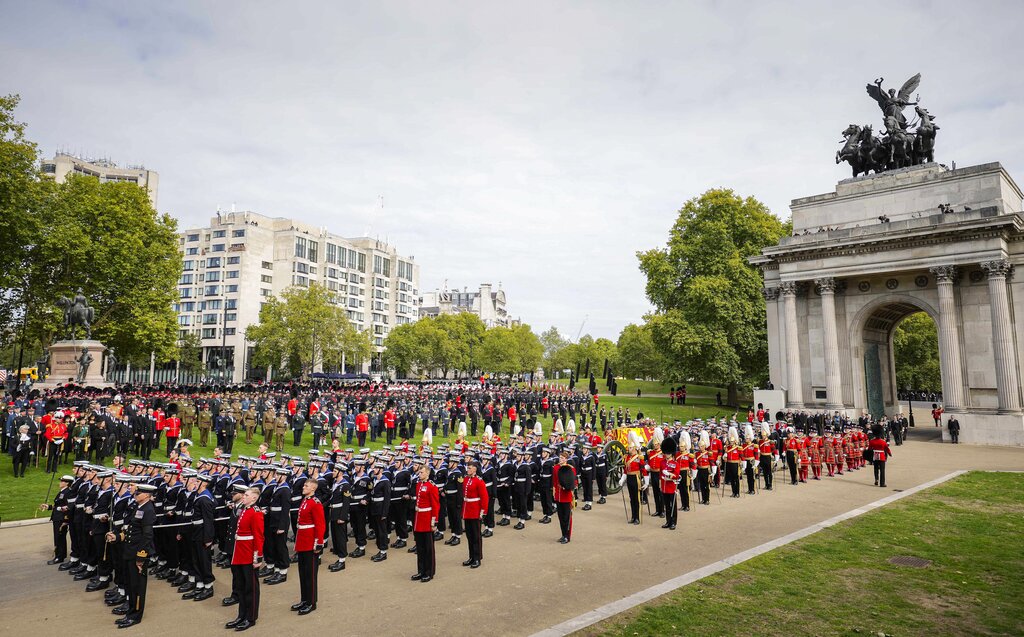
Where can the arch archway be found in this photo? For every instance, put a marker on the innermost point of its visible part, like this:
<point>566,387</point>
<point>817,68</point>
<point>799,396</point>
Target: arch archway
<point>875,385</point>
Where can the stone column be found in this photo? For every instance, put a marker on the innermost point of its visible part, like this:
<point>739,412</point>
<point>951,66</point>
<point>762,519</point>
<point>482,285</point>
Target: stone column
<point>794,375</point>
<point>953,395</point>
<point>771,302</point>
<point>1007,381</point>
<point>833,377</point>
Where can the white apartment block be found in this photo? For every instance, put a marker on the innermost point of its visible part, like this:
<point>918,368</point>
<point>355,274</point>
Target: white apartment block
<point>487,304</point>
<point>105,170</point>
<point>241,259</point>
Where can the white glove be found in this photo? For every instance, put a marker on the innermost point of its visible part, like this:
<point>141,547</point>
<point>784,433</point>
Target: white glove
<point>775,463</point>
<point>647,482</point>
<point>714,470</point>
<point>622,480</point>
<point>693,474</point>
<point>743,467</point>
<point>647,467</point>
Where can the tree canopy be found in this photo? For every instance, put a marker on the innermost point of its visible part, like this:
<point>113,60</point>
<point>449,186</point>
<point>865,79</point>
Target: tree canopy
<point>105,238</point>
<point>709,318</point>
<point>303,330</point>
<point>639,356</point>
<point>915,344</point>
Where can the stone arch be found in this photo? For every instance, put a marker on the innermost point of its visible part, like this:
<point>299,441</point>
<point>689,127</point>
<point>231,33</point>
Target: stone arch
<point>872,329</point>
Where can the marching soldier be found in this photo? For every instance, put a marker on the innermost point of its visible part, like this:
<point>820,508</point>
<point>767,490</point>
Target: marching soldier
<point>880,453</point>
<point>768,457</point>
<point>672,471</point>
<point>309,543</point>
<point>428,507</point>
<point>749,453</point>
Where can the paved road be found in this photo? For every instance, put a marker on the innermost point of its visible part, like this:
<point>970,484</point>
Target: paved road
<point>528,581</point>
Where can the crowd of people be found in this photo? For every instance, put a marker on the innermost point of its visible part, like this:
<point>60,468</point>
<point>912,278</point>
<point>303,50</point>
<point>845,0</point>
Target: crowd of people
<point>179,517</point>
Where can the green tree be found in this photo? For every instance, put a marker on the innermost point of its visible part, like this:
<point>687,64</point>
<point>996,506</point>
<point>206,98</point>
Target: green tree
<point>403,349</point>
<point>639,356</point>
<point>553,343</point>
<point>301,331</point>
<point>190,353</point>
<point>915,344</point>
<point>510,350</point>
<point>709,317</point>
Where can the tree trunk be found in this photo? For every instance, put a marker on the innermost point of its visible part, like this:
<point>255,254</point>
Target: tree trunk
<point>733,399</point>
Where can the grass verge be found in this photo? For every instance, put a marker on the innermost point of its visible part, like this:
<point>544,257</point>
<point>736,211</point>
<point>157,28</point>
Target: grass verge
<point>840,581</point>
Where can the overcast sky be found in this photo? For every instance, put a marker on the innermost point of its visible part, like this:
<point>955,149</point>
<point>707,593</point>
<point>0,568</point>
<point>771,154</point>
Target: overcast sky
<point>536,144</point>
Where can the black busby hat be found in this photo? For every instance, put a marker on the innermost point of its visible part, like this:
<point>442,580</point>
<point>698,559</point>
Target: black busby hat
<point>669,446</point>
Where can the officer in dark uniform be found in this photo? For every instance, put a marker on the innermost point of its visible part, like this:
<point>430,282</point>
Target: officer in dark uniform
<point>359,506</point>
<point>276,524</point>
<point>61,518</point>
<point>547,467</point>
<point>452,496</point>
<point>380,502</point>
<point>137,540</point>
<point>337,515</point>
<point>398,511</point>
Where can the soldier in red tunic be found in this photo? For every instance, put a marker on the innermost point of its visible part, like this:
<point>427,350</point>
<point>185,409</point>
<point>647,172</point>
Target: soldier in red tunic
<point>309,542</point>
<point>880,452</point>
<point>474,505</point>
<point>769,456</point>
<point>246,559</point>
<point>792,455</point>
<point>428,506</point>
<point>671,472</point>
<point>732,462</point>
<point>564,495</point>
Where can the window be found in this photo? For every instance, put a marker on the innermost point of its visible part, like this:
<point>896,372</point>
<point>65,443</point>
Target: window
<point>212,277</point>
<point>352,259</point>
<point>312,269</point>
<point>234,260</point>
<point>230,316</point>
<point>188,265</point>
<point>231,274</point>
<point>193,237</point>
<point>231,288</point>
<point>266,278</point>
<point>210,319</point>
<point>212,290</point>
<point>217,247</point>
<point>268,265</point>
<point>238,233</point>
<point>237,247</point>
<point>184,321</point>
<point>210,332</point>
<point>213,304</point>
<point>264,292</point>
<point>191,251</point>
<point>362,262</point>
<point>219,234</point>
<point>213,262</point>
<point>332,273</point>
<point>188,307</point>
<point>300,280</point>
<point>229,331</point>
<point>185,293</point>
<point>186,279</point>
<point>332,253</point>
<point>404,270</point>
<point>300,267</point>
<point>312,251</point>
<point>231,304</point>
<point>379,342</point>
<point>300,247</point>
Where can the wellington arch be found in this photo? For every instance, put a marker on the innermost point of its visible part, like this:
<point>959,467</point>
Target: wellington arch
<point>882,247</point>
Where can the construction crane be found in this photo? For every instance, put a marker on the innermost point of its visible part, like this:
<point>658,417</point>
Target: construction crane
<point>580,331</point>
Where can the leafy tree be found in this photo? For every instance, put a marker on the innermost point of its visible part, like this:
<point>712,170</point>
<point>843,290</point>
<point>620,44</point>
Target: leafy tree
<point>915,344</point>
<point>190,353</point>
<point>303,330</point>
<point>709,317</point>
<point>510,350</point>
<point>403,348</point>
<point>639,356</point>
<point>553,343</point>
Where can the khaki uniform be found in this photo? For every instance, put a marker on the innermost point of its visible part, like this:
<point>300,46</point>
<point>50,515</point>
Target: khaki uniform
<point>249,422</point>
<point>280,428</point>
<point>269,424</point>
<point>205,424</point>
<point>187,413</point>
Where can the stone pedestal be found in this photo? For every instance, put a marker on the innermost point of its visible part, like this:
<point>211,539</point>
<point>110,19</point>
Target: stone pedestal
<point>64,364</point>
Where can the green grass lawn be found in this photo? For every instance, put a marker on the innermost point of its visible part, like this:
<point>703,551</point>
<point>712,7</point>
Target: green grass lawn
<point>839,581</point>
<point>628,386</point>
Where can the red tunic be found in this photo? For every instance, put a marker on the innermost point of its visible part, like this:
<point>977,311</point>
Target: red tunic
<point>248,537</point>
<point>880,449</point>
<point>389,419</point>
<point>635,464</point>
<point>767,448</point>
<point>512,413</point>
<point>310,527</point>
<point>732,454</point>
<point>669,473</point>
<point>474,501</point>
<point>560,494</point>
<point>173,426</point>
<point>428,505</point>
<point>362,422</point>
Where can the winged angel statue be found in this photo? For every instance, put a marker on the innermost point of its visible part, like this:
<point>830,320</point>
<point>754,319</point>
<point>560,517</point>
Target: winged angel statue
<point>898,147</point>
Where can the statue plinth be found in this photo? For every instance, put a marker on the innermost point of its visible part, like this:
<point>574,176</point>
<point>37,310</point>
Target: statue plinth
<point>64,364</point>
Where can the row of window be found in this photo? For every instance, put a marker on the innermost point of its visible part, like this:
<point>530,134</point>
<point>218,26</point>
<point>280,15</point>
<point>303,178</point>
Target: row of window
<point>201,306</point>
<point>217,234</point>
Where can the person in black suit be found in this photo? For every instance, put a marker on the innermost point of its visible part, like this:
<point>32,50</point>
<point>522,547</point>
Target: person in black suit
<point>954,429</point>
<point>60,518</point>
